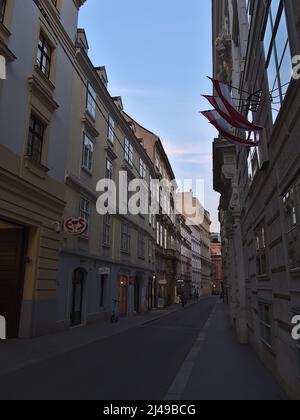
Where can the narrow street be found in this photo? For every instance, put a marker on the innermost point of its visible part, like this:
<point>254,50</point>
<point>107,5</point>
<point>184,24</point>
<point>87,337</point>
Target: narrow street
<point>189,354</point>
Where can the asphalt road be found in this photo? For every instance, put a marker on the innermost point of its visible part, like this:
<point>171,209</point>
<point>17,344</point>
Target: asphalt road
<point>139,364</point>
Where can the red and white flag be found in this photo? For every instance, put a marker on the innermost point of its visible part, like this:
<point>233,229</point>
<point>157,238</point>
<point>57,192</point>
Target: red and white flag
<point>225,106</point>
<point>224,129</point>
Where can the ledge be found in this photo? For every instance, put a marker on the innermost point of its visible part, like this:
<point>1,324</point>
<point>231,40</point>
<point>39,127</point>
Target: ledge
<point>35,168</point>
<point>37,88</point>
<point>90,125</point>
<point>6,52</point>
<point>111,152</point>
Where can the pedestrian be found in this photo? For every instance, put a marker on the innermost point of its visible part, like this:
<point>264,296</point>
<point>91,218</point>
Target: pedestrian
<point>183,300</point>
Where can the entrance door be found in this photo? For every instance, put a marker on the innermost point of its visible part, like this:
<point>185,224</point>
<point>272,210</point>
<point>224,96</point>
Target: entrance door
<point>77,297</point>
<point>123,295</point>
<point>137,295</point>
<point>12,270</point>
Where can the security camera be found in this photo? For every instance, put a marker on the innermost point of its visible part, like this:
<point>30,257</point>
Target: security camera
<point>57,227</point>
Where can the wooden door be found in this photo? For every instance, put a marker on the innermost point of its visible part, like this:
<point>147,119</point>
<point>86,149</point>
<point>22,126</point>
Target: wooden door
<point>12,270</point>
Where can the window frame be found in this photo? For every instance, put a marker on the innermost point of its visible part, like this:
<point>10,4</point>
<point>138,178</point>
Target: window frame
<point>91,100</point>
<point>111,130</point>
<point>87,160</point>
<point>3,4</point>
<point>272,49</point>
<point>33,135</point>
<point>85,212</point>
<point>42,42</point>
<point>128,151</point>
<point>261,250</point>
<point>125,238</point>
<point>107,224</point>
<point>264,325</point>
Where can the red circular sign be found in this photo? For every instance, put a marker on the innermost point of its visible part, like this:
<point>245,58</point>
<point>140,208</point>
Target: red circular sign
<point>75,225</point>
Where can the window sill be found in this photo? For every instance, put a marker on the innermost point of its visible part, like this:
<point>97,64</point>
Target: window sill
<point>87,171</point>
<point>5,51</point>
<point>91,117</point>
<point>4,32</point>
<point>90,125</point>
<point>263,277</point>
<point>295,272</point>
<point>268,347</point>
<point>43,78</point>
<point>110,152</point>
<point>125,252</point>
<point>84,238</point>
<point>35,168</point>
<point>110,142</point>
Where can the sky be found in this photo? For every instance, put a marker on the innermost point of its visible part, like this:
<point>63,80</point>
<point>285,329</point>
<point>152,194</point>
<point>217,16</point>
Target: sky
<point>157,54</point>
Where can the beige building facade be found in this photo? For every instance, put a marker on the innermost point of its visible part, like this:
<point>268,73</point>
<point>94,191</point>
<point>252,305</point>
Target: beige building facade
<point>33,153</point>
<point>114,260</point>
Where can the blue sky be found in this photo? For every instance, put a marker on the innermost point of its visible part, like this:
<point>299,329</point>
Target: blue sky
<point>157,54</point>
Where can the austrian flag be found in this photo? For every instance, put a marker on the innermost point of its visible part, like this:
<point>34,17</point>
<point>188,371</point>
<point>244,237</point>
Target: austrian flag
<point>224,129</point>
<point>226,116</point>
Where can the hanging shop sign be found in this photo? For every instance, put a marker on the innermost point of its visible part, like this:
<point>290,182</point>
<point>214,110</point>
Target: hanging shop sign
<point>75,226</point>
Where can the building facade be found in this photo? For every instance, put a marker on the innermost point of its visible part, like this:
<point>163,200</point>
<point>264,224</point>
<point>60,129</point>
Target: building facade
<point>254,43</point>
<point>196,260</point>
<point>206,263</point>
<point>113,262</point>
<point>216,260</point>
<point>165,222</point>
<point>33,154</point>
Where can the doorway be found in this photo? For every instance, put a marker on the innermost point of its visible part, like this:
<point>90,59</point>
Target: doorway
<point>77,297</point>
<point>123,285</point>
<point>137,292</point>
<point>13,244</point>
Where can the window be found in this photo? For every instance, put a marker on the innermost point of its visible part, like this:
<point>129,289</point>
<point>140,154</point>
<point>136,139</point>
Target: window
<point>291,202</point>
<point>35,141</point>
<point>84,209</point>
<point>103,280</point>
<point>87,153</point>
<point>111,130</point>
<point>125,238</point>
<point>278,54</point>
<point>142,169</point>
<point>253,155</point>
<point>44,56</point>
<point>249,11</point>
<point>2,10</point>
<point>109,169</point>
<point>128,150</point>
<point>141,246</point>
<point>106,229</point>
<point>265,316</point>
<point>91,101</point>
<point>261,252</point>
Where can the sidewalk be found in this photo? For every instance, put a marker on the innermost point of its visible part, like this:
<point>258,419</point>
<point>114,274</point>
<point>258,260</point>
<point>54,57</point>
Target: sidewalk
<point>223,369</point>
<point>16,354</point>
